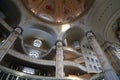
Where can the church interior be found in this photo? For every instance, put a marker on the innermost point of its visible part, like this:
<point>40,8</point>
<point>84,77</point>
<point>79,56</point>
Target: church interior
<point>59,39</point>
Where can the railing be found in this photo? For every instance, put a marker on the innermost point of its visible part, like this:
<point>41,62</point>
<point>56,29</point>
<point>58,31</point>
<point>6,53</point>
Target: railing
<point>8,74</point>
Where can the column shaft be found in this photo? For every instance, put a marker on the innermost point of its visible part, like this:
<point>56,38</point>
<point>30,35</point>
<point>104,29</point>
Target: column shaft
<point>59,61</point>
<point>102,57</point>
<point>9,42</point>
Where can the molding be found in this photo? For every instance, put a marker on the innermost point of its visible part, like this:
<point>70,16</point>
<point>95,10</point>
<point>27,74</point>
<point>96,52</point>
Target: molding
<point>23,57</point>
<point>111,21</point>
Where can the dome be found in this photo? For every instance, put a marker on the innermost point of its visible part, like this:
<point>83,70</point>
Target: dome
<point>59,11</point>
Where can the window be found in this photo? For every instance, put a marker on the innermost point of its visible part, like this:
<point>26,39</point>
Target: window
<point>100,68</point>
<point>91,48</point>
<point>37,43</point>
<point>87,58</point>
<point>95,67</point>
<point>96,60</point>
<point>92,59</point>
<point>87,47</point>
<point>90,53</point>
<point>90,66</point>
<point>84,46</point>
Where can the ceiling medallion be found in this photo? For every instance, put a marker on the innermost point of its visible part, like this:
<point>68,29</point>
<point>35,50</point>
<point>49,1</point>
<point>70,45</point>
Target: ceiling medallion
<point>58,11</point>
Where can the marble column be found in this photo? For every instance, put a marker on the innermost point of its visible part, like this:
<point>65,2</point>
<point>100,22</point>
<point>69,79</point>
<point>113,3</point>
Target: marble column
<point>59,60</point>
<point>109,74</point>
<point>9,42</point>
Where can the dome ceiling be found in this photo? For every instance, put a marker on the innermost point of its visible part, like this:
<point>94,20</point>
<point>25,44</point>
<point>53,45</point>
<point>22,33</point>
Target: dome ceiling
<point>58,11</point>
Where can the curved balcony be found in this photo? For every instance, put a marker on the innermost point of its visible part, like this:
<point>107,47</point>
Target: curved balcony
<point>43,62</point>
<point>8,74</point>
<point>36,40</point>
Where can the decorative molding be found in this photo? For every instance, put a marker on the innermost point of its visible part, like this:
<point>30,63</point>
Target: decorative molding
<point>111,21</point>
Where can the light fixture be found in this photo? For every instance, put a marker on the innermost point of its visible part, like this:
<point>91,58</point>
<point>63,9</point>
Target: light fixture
<point>65,27</point>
